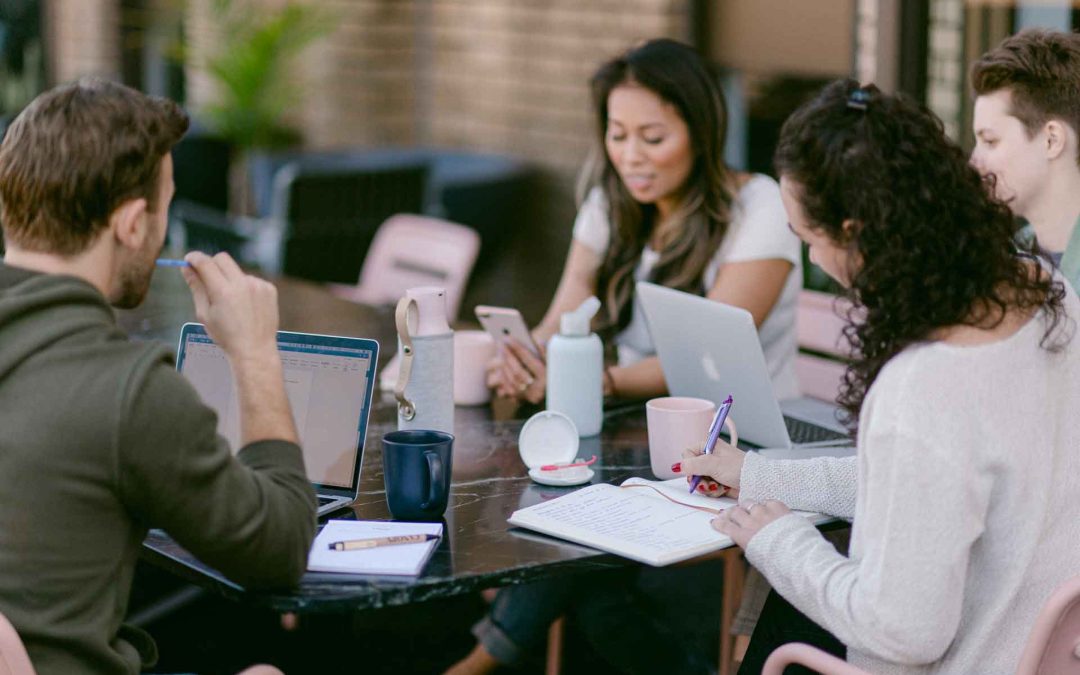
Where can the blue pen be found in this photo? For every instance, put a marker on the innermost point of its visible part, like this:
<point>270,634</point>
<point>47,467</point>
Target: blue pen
<point>714,434</point>
<point>171,262</point>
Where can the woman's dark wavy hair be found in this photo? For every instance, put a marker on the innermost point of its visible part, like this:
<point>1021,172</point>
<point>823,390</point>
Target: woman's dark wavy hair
<point>930,247</point>
<point>675,73</point>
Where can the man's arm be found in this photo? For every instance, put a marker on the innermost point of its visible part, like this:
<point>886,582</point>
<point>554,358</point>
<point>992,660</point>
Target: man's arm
<point>250,516</point>
<point>253,523</point>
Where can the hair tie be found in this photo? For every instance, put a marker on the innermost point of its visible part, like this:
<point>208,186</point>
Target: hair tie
<point>858,99</point>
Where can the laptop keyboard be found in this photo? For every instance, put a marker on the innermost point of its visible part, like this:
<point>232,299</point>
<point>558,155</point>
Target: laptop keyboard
<point>801,431</point>
<point>323,501</point>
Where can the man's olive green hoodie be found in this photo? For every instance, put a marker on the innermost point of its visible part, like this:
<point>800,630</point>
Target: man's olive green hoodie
<point>101,439</point>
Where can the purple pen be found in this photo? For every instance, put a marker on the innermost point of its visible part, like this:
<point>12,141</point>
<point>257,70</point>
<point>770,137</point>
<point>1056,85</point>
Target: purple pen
<point>171,262</point>
<point>714,434</point>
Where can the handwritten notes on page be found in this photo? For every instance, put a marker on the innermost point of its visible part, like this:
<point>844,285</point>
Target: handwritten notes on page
<point>654,522</point>
<point>637,524</point>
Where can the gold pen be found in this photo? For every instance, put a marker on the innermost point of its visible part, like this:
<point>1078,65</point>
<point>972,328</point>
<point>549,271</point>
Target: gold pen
<point>358,544</point>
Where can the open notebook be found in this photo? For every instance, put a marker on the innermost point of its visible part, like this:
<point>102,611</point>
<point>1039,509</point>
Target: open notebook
<point>406,559</point>
<point>637,520</point>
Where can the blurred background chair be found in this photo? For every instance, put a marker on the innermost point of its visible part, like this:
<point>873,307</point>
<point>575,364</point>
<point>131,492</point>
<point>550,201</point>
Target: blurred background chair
<point>206,229</point>
<point>410,250</point>
<point>201,169</point>
<point>1054,643</point>
<point>13,657</point>
<point>1052,648</point>
<point>823,349</point>
<point>329,213</point>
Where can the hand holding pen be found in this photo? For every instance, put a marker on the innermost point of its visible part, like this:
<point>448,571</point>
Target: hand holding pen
<point>714,435</point>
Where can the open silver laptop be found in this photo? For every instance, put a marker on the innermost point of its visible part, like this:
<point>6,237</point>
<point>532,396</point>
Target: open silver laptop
<point>328,380</point>
<point>709,350</point>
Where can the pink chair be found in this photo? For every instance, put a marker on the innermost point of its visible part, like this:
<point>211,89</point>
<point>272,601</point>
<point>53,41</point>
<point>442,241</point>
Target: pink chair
<point>1053,646</point>
<point>1054,643</point>
<point>819,326</point>
<point>410,250</point>
<point>13,657</point>
<point>811,657</point>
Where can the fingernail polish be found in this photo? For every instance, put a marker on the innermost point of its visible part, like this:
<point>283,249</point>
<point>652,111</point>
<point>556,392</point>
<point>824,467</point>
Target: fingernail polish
<point>676,467</point>
<point>701,488</point>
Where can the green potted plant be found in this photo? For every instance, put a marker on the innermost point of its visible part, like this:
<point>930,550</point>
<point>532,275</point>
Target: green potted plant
<point>254,89</point>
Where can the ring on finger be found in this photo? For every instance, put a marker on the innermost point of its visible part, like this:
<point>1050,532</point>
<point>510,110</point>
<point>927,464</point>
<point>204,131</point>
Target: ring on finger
<point>523,386</point>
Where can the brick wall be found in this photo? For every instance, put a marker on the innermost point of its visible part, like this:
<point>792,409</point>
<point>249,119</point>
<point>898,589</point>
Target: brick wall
<point>83,38</point>
<point>504,76</point>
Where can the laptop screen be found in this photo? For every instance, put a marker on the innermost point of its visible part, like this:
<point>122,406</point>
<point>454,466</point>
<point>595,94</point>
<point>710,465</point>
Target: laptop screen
<point>328,381</point>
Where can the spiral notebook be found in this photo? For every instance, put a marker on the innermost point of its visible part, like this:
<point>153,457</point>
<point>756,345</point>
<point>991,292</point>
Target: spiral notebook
<point>398,559</point>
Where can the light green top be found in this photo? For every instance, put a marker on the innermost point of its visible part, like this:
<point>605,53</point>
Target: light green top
<point>1070,260</point>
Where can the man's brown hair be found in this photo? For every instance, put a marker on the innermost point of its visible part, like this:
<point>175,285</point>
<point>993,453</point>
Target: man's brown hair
<point>74,155</point>
<point>1041,69</point>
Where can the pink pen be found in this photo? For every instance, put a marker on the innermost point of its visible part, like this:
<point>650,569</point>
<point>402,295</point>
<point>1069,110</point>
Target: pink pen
<point>556,467</point>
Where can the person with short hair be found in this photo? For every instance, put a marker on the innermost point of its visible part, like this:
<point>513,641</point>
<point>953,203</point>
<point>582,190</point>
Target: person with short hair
<point>965,489</point>
<point>103,439</point>
<point>1026,124</point>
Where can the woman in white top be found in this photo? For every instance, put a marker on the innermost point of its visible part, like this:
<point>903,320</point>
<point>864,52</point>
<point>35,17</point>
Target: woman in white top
<point>965,489</point>
<point>664,207</point>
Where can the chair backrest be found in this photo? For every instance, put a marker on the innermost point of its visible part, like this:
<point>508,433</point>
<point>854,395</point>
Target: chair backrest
<point>206,229</point>
<point>331,213</point>
<point>13,657</point>
<point>411,250</point>
<point>1054,643</point>
<point>819,366</point>
<point>811,657</point>
<point>201,169</point>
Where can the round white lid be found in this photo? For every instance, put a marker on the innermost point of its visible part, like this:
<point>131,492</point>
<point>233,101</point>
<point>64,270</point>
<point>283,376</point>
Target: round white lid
<point>548,437</point>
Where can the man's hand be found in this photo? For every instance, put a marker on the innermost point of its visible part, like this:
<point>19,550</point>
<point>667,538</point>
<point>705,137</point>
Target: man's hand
<point>241,315</point>
<point>240,311</point>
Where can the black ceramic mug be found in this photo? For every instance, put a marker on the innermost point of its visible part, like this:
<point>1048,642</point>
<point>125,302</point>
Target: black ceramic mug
<point>416,473</point>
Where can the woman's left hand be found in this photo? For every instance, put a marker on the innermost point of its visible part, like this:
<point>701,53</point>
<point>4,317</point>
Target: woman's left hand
<point>742,521</point>
<point>524,374</point>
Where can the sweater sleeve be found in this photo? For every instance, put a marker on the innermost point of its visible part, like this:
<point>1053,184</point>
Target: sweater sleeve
<point>823,484</point>
<point>251,517</point>
<point>900,599</point>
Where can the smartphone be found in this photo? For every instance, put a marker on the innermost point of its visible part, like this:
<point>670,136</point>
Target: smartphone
<point>504,322</point>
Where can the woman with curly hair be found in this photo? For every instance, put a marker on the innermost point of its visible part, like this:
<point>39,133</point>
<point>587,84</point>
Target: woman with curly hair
<point>965,488</point>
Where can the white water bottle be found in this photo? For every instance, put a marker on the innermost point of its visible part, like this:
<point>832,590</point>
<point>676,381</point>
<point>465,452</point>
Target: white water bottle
<point>575,370</point>
<point>425,385</point>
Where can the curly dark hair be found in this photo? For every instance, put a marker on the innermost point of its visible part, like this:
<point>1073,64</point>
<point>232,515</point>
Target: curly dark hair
<point>931,247</point>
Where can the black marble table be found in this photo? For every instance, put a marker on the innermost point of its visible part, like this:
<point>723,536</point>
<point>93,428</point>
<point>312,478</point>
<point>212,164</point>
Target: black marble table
<point>479,549</point>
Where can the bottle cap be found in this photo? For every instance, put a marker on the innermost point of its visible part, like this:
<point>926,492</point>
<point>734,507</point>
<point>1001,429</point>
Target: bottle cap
<point>577,321</point>
<point>429,315</point>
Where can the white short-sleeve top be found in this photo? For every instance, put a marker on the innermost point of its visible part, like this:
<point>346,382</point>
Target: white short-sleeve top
<point>758,231</point>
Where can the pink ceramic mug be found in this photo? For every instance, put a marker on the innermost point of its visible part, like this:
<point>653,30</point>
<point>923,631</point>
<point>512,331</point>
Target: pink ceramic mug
<point>675,424</point>
<point>472,351</point>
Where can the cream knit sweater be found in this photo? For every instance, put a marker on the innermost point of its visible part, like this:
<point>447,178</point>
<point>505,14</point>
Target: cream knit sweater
<point>965,493</point>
